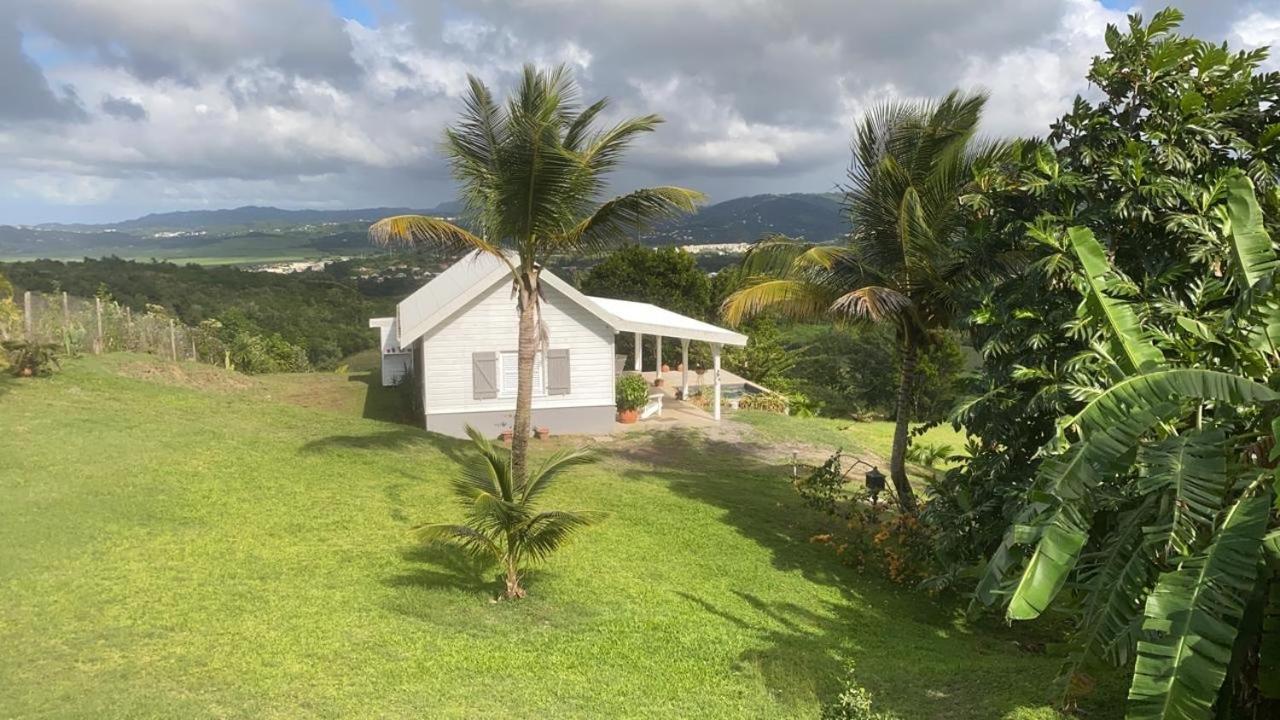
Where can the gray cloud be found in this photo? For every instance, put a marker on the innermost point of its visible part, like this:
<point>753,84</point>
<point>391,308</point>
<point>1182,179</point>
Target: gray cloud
<point>24,88</point>
<point>281,101</point>
<point>124,108</point>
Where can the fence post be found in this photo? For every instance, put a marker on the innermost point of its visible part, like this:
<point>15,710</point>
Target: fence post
<point>97,343</point>
<point>173,340</point>
<point>26,315</point>
<point>66,322</point>
<point>194,357</point>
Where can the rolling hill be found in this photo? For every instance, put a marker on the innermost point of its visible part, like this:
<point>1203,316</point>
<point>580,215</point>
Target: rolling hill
<point>253,233</point>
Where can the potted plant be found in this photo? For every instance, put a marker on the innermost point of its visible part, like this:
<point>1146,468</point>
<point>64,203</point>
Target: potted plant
<point>542,433</point>
<point>507,435</point>
<point>666,367</point>
<point>631,392</point>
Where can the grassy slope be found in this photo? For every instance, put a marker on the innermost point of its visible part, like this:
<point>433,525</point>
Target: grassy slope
<point>171,552</point>
<point>872,438</point>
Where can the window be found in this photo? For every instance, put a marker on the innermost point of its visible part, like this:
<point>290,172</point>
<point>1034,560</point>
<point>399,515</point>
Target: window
<point>508,365</point>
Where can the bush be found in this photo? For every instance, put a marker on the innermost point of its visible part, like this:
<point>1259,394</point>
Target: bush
<point>632,392</point>
<point>27,358</point>
<point>854,703</point>
<point>768,402</point>
<point>868,535</point>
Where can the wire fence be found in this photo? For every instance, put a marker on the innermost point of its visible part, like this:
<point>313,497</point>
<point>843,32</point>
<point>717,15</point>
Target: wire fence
<point>79,325</point>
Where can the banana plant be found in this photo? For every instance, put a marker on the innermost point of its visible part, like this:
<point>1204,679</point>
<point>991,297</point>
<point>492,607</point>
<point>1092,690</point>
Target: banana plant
<point>1152,515</point>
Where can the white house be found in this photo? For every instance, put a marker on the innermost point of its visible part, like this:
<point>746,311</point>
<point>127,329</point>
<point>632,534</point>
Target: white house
<point>458,334</point>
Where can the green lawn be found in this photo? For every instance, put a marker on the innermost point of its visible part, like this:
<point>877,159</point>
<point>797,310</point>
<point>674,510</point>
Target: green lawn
<point>873,437</point>
<point>168,551</point>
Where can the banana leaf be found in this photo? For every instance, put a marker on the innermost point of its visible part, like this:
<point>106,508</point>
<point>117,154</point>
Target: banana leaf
<point>1130,342</point>
<point>1194,613</point>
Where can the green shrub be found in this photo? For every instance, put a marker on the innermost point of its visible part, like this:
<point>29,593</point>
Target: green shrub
<point>854,703</point>
<point>632,392</point>
<point>27,358</point>
<point>768,402</point>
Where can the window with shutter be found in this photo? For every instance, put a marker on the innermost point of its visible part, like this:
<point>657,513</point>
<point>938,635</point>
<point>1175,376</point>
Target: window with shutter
<point>484,375</point>
<point>510,369</point>
<point>558,372</point>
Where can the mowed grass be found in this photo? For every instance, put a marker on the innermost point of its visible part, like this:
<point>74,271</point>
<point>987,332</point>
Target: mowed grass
<point>872,437</point>
<point>174,552</point>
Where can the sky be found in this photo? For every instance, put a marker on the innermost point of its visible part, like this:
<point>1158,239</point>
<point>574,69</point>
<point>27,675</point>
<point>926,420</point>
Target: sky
<point>111,109</point>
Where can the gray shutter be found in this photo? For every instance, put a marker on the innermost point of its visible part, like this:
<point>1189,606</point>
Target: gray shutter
<point>558,372</point>
<point>484,375</point>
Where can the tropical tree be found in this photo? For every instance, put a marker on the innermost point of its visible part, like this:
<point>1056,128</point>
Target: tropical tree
<point>905,261</point>
<point>502,524</point>
<point>1153,507</point>
<point>532,174</point>
<point>1139,161</point>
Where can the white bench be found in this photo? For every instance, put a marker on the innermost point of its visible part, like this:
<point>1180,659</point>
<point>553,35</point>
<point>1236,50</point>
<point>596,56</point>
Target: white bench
<point>654,406</point>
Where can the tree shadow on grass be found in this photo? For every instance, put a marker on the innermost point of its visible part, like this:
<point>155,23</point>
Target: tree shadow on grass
<point>387,404</point>
<point>901,641</point>
<point>397,439</point>
<point>436,566</point>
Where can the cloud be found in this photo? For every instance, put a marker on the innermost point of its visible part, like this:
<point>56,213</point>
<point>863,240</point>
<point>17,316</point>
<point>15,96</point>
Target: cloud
<point>24,88</point>
<point>285,102</point>
<point>124,108</point>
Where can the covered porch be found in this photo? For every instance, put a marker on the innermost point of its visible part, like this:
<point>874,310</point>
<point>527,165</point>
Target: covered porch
<point>641,319</point>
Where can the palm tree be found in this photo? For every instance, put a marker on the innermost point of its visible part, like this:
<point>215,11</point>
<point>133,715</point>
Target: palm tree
<point>905,260</point>
<point>532,174</point>
<point>501,524</point>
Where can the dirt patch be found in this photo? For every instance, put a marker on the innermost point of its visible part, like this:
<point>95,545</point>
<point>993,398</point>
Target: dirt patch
<point>189,375</point>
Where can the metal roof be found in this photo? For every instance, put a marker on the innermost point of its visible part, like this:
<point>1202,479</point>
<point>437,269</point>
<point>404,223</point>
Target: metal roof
<point>451,290</point>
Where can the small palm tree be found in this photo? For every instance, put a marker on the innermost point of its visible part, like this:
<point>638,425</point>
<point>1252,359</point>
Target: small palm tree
<point>501,523</point>
<point>532,174</point>
<point>905,260</point>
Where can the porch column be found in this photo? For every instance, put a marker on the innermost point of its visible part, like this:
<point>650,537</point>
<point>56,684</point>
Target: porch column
<point>657,366</point>
<point>715,368</point>
<point>639,339</point>
<point>684,368</point>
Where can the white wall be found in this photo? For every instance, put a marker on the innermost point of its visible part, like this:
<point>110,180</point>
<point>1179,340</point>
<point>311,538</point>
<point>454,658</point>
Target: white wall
<point>490,324</point>
<point>396,362</point>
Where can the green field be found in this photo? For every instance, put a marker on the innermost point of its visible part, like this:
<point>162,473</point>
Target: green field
<point>176,541</point>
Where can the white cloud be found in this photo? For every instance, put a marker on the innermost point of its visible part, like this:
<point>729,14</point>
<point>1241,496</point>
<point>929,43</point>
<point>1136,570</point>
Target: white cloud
<point>282,102</point>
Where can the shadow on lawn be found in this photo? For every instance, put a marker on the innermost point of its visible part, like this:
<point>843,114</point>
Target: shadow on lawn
<point>444,567</point>
<point>899,639</point>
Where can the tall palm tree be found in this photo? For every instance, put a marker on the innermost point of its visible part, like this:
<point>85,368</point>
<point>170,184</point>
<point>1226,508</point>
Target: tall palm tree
<point>532,175</point>
<point>905,259</point>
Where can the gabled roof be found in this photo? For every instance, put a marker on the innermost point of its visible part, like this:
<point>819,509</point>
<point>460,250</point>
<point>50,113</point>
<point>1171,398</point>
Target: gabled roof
<point>453,289</point>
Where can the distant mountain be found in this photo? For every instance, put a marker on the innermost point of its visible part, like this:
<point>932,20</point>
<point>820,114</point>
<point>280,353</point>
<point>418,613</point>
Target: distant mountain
<point>248,232</point>
<point>248,216</point>
<point>813,216</point>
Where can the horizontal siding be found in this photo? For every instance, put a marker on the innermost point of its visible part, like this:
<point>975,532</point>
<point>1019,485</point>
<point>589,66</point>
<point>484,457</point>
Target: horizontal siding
<point>490,324</point>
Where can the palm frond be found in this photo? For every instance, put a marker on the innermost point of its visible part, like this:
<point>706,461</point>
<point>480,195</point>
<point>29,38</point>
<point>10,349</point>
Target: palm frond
<point>553,466</point>
<point>797,299</point>
<point>472,541</point>
<point>872,302</point>
<point>547,531</point>
<point>419,229</point>
<point>617,220</point>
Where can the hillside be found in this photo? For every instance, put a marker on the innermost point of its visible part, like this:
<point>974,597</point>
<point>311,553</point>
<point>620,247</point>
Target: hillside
<point>179,547</point>
<point>261,234</point>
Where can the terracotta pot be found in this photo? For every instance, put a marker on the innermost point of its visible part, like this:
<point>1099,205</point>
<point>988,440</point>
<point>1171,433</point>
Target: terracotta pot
<point>25,372</point>
<point>507,435</point>
<point>542,433</point>
<point>626,417</point>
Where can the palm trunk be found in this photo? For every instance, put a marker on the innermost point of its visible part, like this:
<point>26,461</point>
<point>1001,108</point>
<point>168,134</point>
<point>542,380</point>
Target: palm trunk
<point>898,460</point>
<point>514,590</point>
<point>527,348</point>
